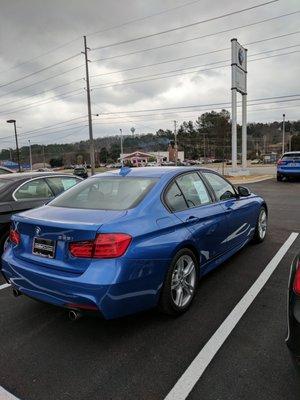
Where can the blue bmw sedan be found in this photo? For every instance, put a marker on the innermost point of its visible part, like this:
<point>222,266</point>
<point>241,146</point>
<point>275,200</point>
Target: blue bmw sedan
<point>130,240</point>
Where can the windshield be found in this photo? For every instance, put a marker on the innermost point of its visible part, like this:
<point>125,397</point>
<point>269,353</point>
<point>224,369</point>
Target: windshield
<point>106,193</point>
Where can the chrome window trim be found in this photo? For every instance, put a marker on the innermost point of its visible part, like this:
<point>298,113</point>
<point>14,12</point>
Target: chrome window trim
<point>41,177</point>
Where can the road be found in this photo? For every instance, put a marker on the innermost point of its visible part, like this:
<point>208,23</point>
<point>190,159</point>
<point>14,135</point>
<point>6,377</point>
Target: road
<point>44,356</point>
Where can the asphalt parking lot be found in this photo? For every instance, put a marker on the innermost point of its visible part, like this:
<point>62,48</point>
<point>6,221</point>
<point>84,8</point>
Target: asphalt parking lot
<point>45,356</point>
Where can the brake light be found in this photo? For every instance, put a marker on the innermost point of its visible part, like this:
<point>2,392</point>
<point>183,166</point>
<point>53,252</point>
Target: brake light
<point>281,162</point>
<point>106,245</point>
<point>297,280</point>
<point>14,236</point>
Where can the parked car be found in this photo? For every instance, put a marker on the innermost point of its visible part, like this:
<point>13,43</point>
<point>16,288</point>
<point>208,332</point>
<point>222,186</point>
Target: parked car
<point>293,311</point>
<point>4,170</point>
<point>288,166</point>
<point>20,192</point>
<point>81,172</point>
<point>126,241</point>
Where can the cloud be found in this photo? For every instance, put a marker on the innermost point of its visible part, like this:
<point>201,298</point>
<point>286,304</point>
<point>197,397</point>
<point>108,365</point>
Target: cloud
<point>30,30</point>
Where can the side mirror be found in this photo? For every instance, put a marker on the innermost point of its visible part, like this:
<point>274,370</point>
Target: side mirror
<point>243,191</point>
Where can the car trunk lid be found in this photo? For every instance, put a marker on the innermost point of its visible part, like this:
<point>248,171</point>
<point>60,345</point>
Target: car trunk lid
<point>45,241</point>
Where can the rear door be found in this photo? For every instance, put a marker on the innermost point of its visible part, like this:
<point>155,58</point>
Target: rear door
<point>240,211</point>
<point>193,205</point>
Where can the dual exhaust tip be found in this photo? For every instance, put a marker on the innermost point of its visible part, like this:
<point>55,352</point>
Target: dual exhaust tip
<point>73,314</point>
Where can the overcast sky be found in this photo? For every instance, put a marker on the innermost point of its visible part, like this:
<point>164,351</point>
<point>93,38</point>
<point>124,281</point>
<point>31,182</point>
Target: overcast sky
<point>32,29</point>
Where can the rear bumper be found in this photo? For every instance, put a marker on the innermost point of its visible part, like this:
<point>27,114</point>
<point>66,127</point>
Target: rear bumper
<point>116,295</point>
<point>289,172</point>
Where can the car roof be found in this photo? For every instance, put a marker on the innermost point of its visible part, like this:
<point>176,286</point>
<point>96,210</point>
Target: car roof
<point>150,172</point>
<point>291,152</point>
<point>29,175</point>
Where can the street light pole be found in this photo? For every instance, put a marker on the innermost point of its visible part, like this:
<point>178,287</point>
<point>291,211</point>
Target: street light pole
<point>13,121</point>
<point>283,133</point>
<point>30,155</point>
<point>175,141</point>
<point>122,163</point>
<point>92,147</point>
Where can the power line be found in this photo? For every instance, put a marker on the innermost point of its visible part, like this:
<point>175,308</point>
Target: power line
<point>158,76</point>
<point>197,105</point>
<point>185,26</point>
<point>101,31</point>
<point>43,80</point>
<point>191,56</point>
<point>195,38</point>
<point>144,18</point>
<point>40,70</point>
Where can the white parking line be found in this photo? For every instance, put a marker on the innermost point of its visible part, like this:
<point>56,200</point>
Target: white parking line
<point>5,285</point>
<point>4,395</point>
<point>196,369</point>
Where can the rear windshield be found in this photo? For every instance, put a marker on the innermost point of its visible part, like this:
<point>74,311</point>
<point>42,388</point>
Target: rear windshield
<point>291,156</point>
<point>106,193</point>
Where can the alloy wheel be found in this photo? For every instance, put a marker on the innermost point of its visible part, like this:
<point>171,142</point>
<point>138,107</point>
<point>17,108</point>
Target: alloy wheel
<point>183,281</point>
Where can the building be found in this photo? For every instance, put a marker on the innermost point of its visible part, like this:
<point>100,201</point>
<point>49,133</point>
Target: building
<point>140,158</point>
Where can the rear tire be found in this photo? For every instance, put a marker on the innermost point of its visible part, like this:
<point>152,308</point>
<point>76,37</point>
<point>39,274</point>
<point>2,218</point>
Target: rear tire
<point>261,226</point>
<point>279,178</point>
<point>180,284</point>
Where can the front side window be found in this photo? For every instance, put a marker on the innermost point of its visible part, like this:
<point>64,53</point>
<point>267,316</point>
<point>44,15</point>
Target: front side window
<point>223,190</point>
<point>61,183</point>
<point>187,191</point>
<point>106,193</point>
<point>35,189</point>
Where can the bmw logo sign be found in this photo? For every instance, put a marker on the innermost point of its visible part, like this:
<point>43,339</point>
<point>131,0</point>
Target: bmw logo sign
<point>241,56</point>
<point>38,231</point>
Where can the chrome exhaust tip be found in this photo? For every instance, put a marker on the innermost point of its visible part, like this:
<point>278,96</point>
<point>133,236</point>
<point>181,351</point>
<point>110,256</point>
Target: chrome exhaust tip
<point>74,315</point>
<point>16,293</point>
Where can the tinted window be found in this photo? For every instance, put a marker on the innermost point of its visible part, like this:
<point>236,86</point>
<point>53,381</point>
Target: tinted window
<point>174,198</point>
<point>35,189</point>
<point>106,193</point>
<point>61,183</point>
<point>194,190</point>
<point>292,156</point>
<point>221,187</point>
<point>4,183</point>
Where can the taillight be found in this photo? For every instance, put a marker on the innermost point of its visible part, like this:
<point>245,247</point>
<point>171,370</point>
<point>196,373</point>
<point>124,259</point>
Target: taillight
<point>281,162</point>
<point>106,245</point>
<point>297,280</point>
<point>14,236</point>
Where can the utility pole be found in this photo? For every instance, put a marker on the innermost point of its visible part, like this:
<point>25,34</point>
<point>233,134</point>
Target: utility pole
<point>13,121</point>
<point>92,149</point>
<point>43,152</point>
<point>175,142</point>
<point>283,133</point>
<point>122,162</point>
<point>30,155</point>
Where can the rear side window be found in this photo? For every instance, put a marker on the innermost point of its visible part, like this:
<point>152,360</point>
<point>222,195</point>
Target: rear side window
<point>35,189</point>
<point>61,183</point>
<point>223,190</point>
<point>106,193</point>
<point>174,198</point>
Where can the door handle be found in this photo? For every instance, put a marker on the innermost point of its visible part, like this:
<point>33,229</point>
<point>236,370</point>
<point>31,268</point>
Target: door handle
<point>192,218</point>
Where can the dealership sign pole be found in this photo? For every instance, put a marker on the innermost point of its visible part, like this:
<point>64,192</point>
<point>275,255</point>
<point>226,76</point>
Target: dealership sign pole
<point>238,84</point>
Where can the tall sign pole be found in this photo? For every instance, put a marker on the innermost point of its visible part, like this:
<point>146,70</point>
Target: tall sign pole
<point>283,133</point>
<point>175,142</point>
<point>92,147</point>
<point>238,84</point>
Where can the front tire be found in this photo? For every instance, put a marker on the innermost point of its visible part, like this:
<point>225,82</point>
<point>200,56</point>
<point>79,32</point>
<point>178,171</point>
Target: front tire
<point>180,284</point>
<point>261,226</point>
